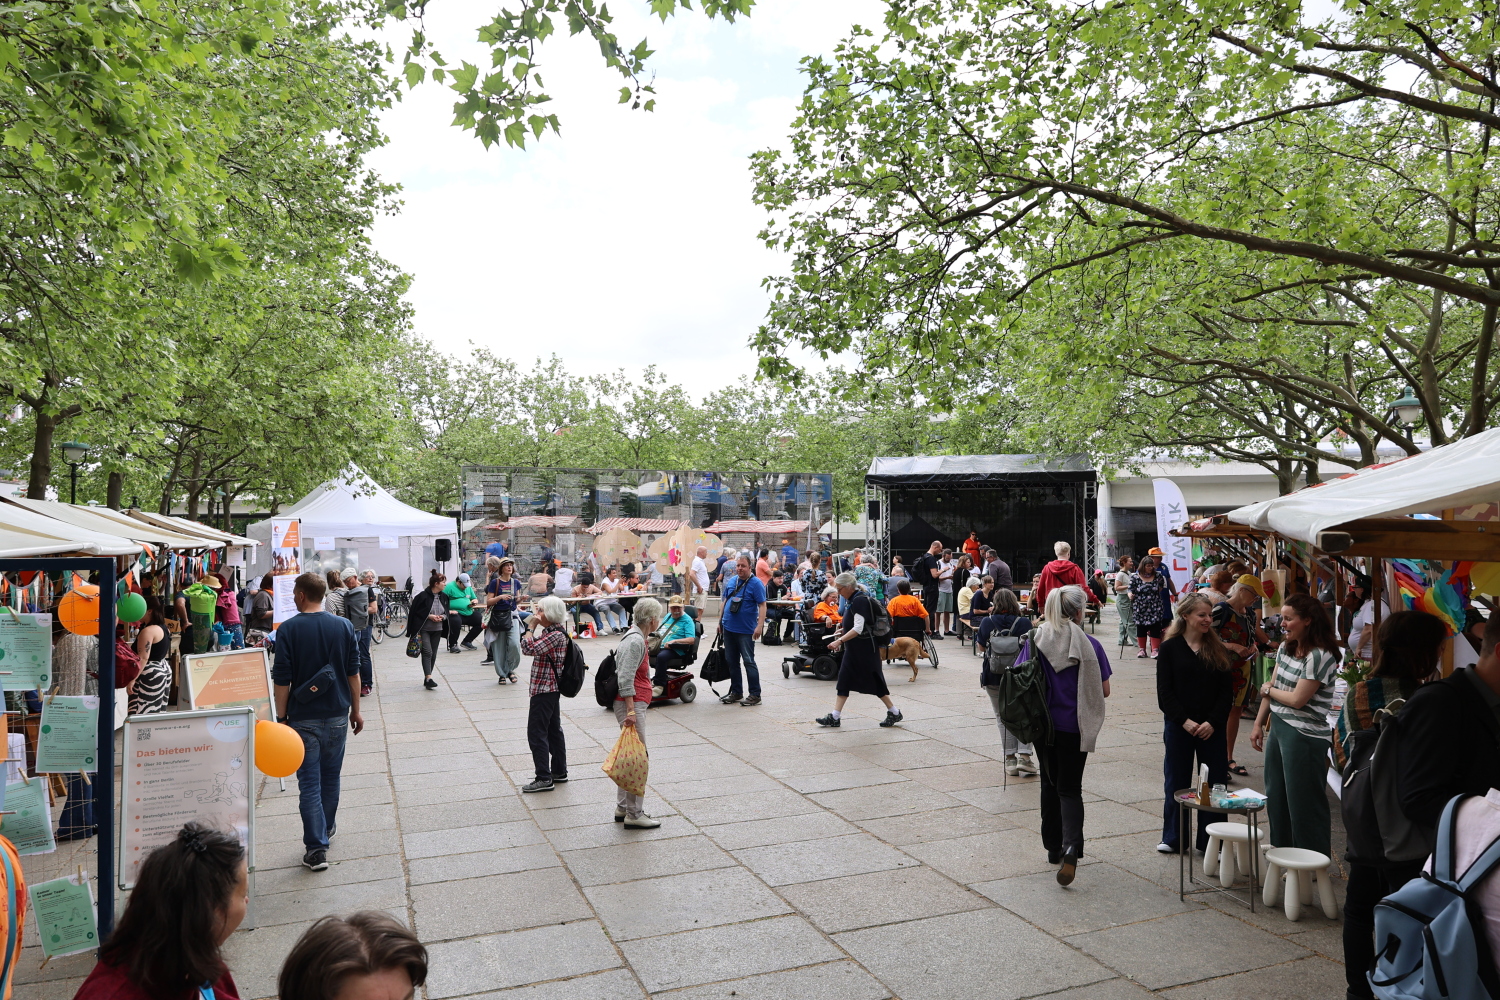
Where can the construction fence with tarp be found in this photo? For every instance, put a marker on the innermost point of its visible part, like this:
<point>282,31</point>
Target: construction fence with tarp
<point>651,518</point>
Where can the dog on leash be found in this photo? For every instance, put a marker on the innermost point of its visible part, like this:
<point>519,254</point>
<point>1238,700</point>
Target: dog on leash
<point>903,648</point>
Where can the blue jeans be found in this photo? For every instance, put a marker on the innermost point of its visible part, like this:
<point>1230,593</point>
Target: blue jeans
<point>741,646</point>
<point>236,636</point>
<point>323,742</point>
<point>366,665</point>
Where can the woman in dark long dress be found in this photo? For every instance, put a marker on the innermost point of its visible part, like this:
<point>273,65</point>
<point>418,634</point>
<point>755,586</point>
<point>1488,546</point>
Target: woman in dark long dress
<point>859,669</point>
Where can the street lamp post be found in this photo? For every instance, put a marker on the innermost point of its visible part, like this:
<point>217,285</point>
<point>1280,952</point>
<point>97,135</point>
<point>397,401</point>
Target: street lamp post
<point>74,452</point>
<point>1408,409</point>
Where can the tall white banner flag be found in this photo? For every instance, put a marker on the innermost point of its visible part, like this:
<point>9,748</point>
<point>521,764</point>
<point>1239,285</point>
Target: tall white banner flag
<point>1172,512</point>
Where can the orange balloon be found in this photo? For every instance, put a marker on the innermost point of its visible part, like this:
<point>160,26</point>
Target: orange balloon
<point>278,749</point>
<point>79,612</point>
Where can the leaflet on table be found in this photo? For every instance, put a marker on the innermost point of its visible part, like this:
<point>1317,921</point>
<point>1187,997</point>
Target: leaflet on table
<point>68,740</point>
<point>64,912</point>
<point>25,651</point>
<point>29,828</point>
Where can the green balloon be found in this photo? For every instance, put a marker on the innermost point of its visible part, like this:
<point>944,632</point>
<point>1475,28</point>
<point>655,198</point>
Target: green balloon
<point>131,608</point>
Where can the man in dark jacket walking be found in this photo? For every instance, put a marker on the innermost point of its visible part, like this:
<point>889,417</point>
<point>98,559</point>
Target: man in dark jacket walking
<point>1450,737</point>
<point>316,678</point>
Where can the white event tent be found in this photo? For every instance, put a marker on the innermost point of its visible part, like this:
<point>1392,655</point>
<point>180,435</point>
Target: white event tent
<point>390,537</point>
<point>25,533</point>
<point>1366,513</point>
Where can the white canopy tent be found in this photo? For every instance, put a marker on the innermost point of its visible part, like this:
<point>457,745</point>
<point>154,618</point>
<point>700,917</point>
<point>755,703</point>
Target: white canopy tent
<point>356,513</point>
<point>1364,513</point>
<point>24,532</point>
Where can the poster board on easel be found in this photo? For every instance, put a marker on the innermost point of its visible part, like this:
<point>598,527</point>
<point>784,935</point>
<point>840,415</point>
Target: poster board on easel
<point>235,678</point>
<point>181,767</point>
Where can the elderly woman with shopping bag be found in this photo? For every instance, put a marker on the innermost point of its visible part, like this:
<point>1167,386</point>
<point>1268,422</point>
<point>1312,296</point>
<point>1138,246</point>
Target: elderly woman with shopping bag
<point>626,763</point>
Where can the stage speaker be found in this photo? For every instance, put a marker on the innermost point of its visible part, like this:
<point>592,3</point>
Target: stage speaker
<point>1091,508</point>
<point>873,510</point>
<point>442,549</point>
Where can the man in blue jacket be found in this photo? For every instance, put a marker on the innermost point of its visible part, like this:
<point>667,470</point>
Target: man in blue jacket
<point>743,619</point>
<point>316,676</point>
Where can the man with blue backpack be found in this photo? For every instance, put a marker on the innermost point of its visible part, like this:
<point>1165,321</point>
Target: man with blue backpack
<point>1431,935</point>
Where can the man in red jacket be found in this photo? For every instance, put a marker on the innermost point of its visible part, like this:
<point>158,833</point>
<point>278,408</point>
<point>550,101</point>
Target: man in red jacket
<point>1059,573</point>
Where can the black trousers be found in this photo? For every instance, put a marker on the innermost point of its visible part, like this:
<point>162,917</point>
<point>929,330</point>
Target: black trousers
<point>1368,885</point>
<point>929,601</point>
<point>430,642</point>
<point>1178,771</point>
<point>544,733</point>
<point>1062,794</point>
<point>787,615</point>
<point>456,623</point>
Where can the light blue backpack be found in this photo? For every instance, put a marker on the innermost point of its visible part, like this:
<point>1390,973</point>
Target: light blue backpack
<point>1429,934</point>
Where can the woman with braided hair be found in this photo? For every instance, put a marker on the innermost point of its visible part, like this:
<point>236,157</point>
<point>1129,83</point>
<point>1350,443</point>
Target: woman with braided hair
<point>190,896</point>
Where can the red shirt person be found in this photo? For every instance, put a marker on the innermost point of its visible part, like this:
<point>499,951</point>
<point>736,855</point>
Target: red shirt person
<point>1060,572</point>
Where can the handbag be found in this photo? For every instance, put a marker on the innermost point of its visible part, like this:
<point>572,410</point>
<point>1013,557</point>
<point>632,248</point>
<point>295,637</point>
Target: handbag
<point>714,668</point>
<point>414,647</point>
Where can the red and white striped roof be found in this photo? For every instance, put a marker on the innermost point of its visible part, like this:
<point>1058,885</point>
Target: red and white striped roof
<point>756,527</point>
<point>535,521</point>
<point>634,524</point>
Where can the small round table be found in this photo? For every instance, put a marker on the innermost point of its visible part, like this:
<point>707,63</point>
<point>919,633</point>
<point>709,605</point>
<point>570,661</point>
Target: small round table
<point>1187,798</point>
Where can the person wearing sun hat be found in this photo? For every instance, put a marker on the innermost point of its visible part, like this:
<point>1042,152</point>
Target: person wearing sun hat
<point>203,599</point>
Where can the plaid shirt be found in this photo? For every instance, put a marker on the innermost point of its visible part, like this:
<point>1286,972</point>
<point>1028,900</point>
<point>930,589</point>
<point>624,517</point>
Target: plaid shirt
<point>547,651</point>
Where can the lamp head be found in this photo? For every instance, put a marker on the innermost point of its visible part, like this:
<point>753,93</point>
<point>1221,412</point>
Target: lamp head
<point>1408,407</point>
<point>74,451</point>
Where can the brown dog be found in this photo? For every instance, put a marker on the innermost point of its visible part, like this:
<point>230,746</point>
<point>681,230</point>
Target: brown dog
<point>903,648</point>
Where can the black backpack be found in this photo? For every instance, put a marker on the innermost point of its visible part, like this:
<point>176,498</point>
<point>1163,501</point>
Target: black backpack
<point>1022,690</point>
<point>1378,832</point>
<point>606,683</point>
<point>880,619</point>
<point>570,679</point>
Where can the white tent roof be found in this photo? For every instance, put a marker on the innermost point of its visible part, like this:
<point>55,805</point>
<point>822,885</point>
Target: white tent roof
<point>1456,475</point>
<point>355,506</point>
<point>190,528</point>
<point>112,522</point>
<point>24,532</point>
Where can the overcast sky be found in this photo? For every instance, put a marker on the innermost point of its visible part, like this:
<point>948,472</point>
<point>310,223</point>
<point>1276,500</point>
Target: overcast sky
<point>631,238</point>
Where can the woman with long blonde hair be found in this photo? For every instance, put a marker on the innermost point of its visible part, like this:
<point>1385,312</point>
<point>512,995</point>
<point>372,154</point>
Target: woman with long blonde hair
<point>1195,694</point>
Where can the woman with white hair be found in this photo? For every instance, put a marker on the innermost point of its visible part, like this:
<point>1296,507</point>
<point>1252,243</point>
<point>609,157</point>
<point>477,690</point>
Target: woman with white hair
<point>633,674</point>
<point>1077,684</point>
<point>547,645</point>
<point>859,667</point>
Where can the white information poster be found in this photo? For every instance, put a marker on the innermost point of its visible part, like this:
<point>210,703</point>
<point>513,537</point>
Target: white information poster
<point>180,767</point>
<point>286,565</point>
<point>25,651</point>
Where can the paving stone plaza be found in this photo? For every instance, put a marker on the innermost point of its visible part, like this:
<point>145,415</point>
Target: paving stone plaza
<point>792,862</point>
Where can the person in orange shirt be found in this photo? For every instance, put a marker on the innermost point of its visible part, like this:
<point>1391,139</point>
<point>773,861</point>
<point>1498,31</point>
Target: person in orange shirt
<point>763,567</point>
<point>904,605</point>
<point>971,546</point>
<point>828,608</point>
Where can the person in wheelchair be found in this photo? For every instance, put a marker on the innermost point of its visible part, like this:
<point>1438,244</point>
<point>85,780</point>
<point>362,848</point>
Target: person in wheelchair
<point>904,605</point>
<point>827,610</point>
<point>672,643</point>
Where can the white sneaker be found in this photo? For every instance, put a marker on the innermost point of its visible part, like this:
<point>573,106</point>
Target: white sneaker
<point>642,822</point>
<point>656,692</point>
<point>1011,768</point>
<point>1163,848</point>
<point>1025,765</point>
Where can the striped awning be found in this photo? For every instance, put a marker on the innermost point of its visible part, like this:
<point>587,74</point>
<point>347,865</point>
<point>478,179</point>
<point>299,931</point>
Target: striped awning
<point>535,521</point>
<point>634,524</point>
<point>756,527</point>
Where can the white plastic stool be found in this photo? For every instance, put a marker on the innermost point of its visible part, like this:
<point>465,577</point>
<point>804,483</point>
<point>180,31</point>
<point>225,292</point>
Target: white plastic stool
<point>1234,840</point>
<point>1301,868</point>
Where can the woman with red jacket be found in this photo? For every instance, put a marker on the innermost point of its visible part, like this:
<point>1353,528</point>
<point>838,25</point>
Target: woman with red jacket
<point>190,896</point>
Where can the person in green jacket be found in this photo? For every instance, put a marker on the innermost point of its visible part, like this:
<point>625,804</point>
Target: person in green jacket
<point>461,612</point>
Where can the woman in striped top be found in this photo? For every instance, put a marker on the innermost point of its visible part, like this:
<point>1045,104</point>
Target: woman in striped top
<point>1295,703</point>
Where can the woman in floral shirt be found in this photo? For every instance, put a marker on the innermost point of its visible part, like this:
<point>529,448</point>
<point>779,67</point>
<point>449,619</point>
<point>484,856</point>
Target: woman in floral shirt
<point>1151,596</point>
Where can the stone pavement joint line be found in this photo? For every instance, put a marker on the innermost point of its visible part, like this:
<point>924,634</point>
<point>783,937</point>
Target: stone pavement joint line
<point>793,863</point>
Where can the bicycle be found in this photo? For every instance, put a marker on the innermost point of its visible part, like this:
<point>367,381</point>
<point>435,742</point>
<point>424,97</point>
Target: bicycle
<point>393,614</point>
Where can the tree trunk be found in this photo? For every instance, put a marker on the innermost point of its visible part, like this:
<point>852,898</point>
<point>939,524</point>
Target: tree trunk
<point>1286,475</point>
<point>40,476</point>
<point>228,512</point>
<point>1479,387</point>
<point>114,492</point>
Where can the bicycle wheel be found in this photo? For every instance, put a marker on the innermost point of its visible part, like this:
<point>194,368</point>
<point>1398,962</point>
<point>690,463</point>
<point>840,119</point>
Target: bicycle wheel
<point>395,622</point>
<point>930,648</point>
<point>377,634</point>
